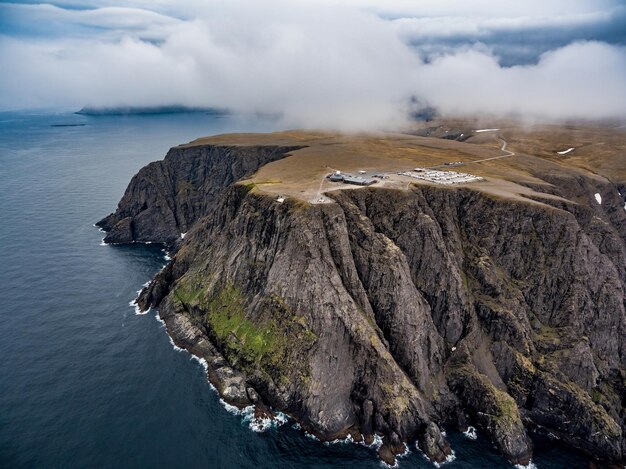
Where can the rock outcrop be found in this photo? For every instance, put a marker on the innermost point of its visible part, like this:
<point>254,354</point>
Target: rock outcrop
<point>394,312</point>
<point>166,197</point>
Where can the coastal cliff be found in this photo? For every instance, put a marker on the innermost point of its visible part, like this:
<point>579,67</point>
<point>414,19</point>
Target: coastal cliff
<point>167,197</point>
<point>394,312</point>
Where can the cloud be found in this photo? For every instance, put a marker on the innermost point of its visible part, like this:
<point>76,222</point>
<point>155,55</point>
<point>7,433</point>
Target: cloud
<point>583,80</point>
<point>350,65</point>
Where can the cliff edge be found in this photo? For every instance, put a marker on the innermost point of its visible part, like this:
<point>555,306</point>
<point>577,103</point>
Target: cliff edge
<point>399,309</point>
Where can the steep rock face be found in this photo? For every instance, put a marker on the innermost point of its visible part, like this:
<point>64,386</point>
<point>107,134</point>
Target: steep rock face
<point>391,311</point>
<point>547,282</point>
<point>166,197</point>
<point>264,284</point>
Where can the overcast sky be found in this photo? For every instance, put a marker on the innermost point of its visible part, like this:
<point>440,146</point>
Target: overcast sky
<point>353,64</point>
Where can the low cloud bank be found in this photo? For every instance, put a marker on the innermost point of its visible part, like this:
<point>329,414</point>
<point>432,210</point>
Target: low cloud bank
<point>342,66</point>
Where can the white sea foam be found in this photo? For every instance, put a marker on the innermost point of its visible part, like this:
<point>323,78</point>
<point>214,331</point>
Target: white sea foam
<point>401,455</point>
<point>384,464</point>
<point>255,424</point>
<point>296,426</point>
<point>377,443</point>
<point>486,130</point>
<point>471,433</point>
<point>598,197</point>
<point>138,311</point>
<point>178,349</point>
<point>158,318</point>
<point>347,439</point>
<point>451,457</point>
<point>262,424</point>
<point>102,243</point>
<point>202,362</point>
<point>530,465</point>
<point>406,451</point>
<point>565,152</point>
<point>231,409</point>
<point>166,255</point>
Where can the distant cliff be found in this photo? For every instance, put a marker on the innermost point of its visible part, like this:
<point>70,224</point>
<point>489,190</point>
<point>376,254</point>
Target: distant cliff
<point>146,110</point>
<point>394,312</point>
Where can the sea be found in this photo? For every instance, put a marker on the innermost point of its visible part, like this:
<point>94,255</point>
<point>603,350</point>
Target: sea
<point>85,382</point>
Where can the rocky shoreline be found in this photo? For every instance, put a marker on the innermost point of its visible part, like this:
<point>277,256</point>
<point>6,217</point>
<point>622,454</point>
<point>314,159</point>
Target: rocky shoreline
<point>392,312</point>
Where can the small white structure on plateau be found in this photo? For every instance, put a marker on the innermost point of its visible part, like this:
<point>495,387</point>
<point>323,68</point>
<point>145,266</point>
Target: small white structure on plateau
<point>565,152</point>
<point>598,197</point>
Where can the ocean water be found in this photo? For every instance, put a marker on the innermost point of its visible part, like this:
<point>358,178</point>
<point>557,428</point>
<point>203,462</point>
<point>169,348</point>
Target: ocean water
<point>84,381</point>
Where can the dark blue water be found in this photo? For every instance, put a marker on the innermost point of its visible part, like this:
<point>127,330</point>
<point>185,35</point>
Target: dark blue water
<point>84,382</point>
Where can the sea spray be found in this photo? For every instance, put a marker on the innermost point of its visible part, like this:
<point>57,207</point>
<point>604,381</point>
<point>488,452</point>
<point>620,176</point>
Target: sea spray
<point>347,439</point>
<point>138,310</point>
<point>262,424</point>
<point>451,457</point>
<point>376,444</point>
<point>159,320</point>
<point>384,464</point>
<point>530,465</point>
<point>134,303</point>
<point>255,424</point>
<point>470,433</point>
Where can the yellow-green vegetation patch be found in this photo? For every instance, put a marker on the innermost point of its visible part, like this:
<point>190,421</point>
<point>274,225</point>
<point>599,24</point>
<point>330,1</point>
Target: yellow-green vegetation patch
<point>498,406</point>
<point>396,397</point>
<point>273,343</point>
<point>269,181</point>
<point>186,295</point>
<point>247,185</point>
<point>508,413</point>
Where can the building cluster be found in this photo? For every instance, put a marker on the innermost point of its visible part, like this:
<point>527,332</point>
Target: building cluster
<point>440,177</point>
<point>350,179</point>
<point>424,174</point>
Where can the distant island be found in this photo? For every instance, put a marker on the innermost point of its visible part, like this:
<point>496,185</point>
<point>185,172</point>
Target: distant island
<point>392,285</point>
<point>134,110</point>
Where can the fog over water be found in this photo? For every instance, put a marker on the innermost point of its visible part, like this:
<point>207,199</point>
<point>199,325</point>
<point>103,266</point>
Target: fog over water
<point>357,64</point>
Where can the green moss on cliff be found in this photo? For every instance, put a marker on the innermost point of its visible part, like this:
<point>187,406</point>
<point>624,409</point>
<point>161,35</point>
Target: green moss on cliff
<point>249,341</point>
<point>273,342</point>
<point>497,410</point>
<point>506,408</point>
